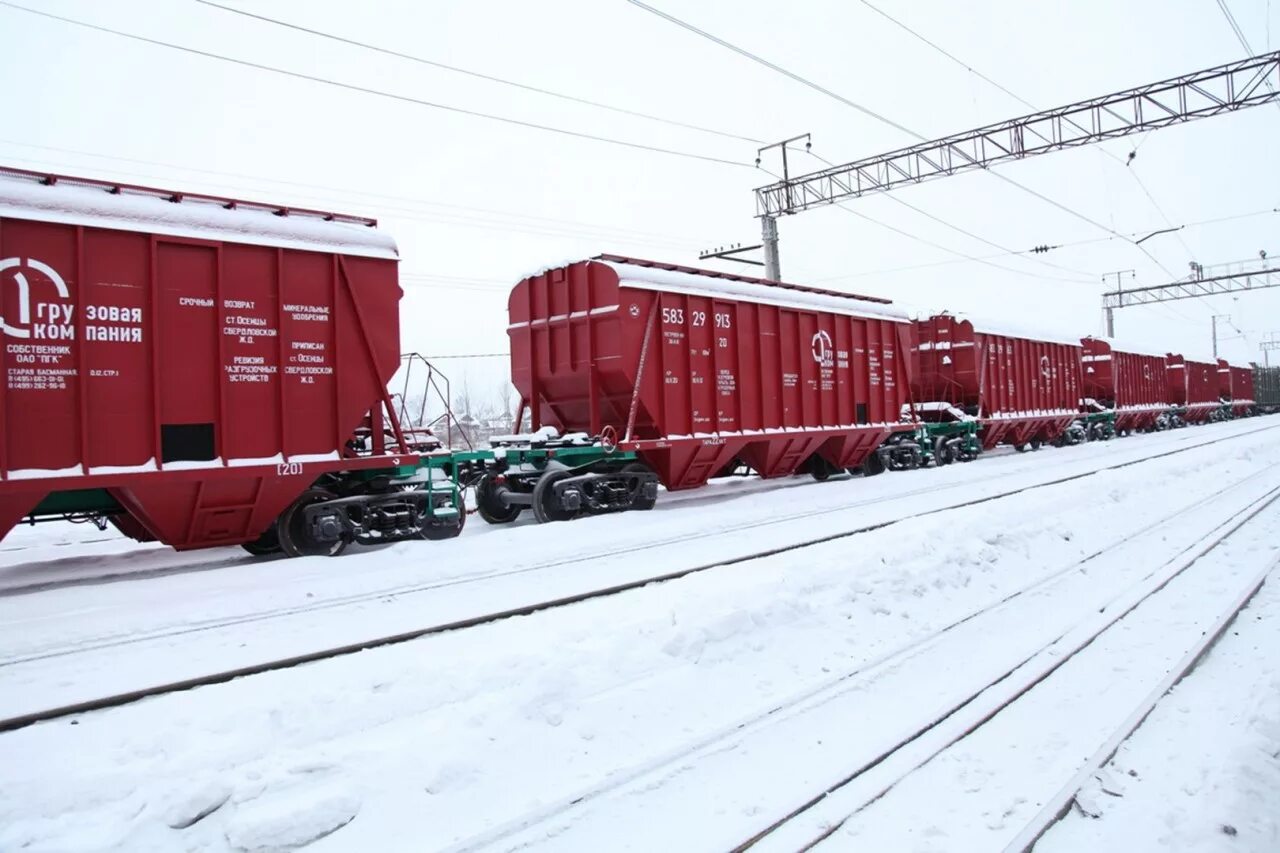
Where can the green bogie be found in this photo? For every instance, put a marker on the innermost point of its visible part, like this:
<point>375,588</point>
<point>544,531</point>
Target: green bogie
<point>949,441</point>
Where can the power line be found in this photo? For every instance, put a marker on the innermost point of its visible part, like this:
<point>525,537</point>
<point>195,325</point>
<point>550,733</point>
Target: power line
<point>1072,244</point>
<point>366,90</point>
<point>360,196</point>
<point>1244,42</point>
<point>947,54</point>
<point>771,66</point>
<point>415,213</point>
<point>939,246</point>
<point>859,107</point>
<point>477,74</point>
<point>1031,106</point>
<point>963,231</point>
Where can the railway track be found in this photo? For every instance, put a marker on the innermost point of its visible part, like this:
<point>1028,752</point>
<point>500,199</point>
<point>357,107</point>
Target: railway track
<point>725,534</point>
<point>984,705</point>
<point>556,820</point>
<point>242,561</point>
<point>18,720</point>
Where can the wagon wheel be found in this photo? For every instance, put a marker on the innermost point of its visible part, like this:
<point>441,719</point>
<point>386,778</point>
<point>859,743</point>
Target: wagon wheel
<point>943,453</point>
<point>490,508</point>
<point>820,469</point>
<point>1021,448</point>
<point>871,466</point>
<point>265,545</point>
<point>546,506</point>
<point>1035,443</point>
<point>641,503</point>
<point>296,540</point>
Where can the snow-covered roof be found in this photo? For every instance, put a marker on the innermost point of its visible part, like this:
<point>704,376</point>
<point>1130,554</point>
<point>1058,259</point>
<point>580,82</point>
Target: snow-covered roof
<point>1018,330</point>
<point>723,286</point>
<point>1127,344</point>
<point>74,201</point>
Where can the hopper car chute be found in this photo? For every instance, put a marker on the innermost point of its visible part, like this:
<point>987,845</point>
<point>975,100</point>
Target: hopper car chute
<point>204,371</point>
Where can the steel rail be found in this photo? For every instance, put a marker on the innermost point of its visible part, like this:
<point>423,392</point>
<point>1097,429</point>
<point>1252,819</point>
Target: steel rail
<point>774,712</point>
<point>130,696</point>
<point>1012,694</point>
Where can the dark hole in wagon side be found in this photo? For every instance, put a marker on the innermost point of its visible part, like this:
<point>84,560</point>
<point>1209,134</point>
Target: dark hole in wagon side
<point>186,442</point>
<point>860,411</point>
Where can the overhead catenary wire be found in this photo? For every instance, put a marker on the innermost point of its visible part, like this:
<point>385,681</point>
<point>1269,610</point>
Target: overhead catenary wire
<point>917,238</point>
<point>1244,42</point>
<point>854,105</point>
<point>477,74</point>
<point>358,196</point>
<point>1092,240</point>
<point>381,93</point>
<point>967,233</point>
<point>1142,186</point>
<point>411,211</point>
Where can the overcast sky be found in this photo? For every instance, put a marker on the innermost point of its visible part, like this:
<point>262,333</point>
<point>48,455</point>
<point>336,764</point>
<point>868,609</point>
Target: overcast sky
<point>475,203</point>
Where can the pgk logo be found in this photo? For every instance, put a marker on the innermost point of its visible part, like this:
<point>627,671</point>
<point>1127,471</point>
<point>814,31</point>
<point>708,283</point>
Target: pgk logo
<point>823,352</point>
<point>52,318</point>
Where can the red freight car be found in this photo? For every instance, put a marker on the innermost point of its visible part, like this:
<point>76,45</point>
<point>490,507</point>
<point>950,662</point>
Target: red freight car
<point>1130,383</point>
<point>189,366</point>
<point>1193,386</point>
<point>695,370</point>
<point>1235,387</point>
<point>1023,390</point>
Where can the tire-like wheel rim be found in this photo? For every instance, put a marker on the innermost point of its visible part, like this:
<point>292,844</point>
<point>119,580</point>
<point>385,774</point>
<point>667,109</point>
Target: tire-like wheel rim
<point>637,468</point>
<point>490,508</point>
<point>546,507</point>
<point>265,545</point>
<point>295,539</point>
<point>872,465</point>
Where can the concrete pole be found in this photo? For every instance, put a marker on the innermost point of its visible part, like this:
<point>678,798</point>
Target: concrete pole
<point>769,237</point>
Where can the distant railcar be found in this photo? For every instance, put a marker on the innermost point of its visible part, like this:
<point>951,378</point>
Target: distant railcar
<point>1132,385</point>
<point>1235,388</point>
<point>1022,390</point>
<point>1194,389</point>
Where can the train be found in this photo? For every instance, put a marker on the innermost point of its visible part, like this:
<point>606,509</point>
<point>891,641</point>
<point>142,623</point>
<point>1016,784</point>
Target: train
<point>205,371</point>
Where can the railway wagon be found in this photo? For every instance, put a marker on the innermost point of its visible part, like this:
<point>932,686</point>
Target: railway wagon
<point>1019,390</point>
<point>694,370</point>
<point>1235,388</point>
<point>1193,389</point>
<point>1266,389</point>
<point>1126,383</point>
<point>202,371</point>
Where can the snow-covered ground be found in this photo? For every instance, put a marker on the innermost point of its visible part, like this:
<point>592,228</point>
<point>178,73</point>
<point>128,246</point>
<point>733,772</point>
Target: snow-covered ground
<point>1202,773</point>
<point>683,715</point>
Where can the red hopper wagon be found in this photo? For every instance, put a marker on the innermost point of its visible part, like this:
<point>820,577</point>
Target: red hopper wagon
<point>695,371</point>
<point>1194,389</point>
<point>1128,383</point>
<point>1021,390</point>
<point>201,371</point>
<point>1235,387</point>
